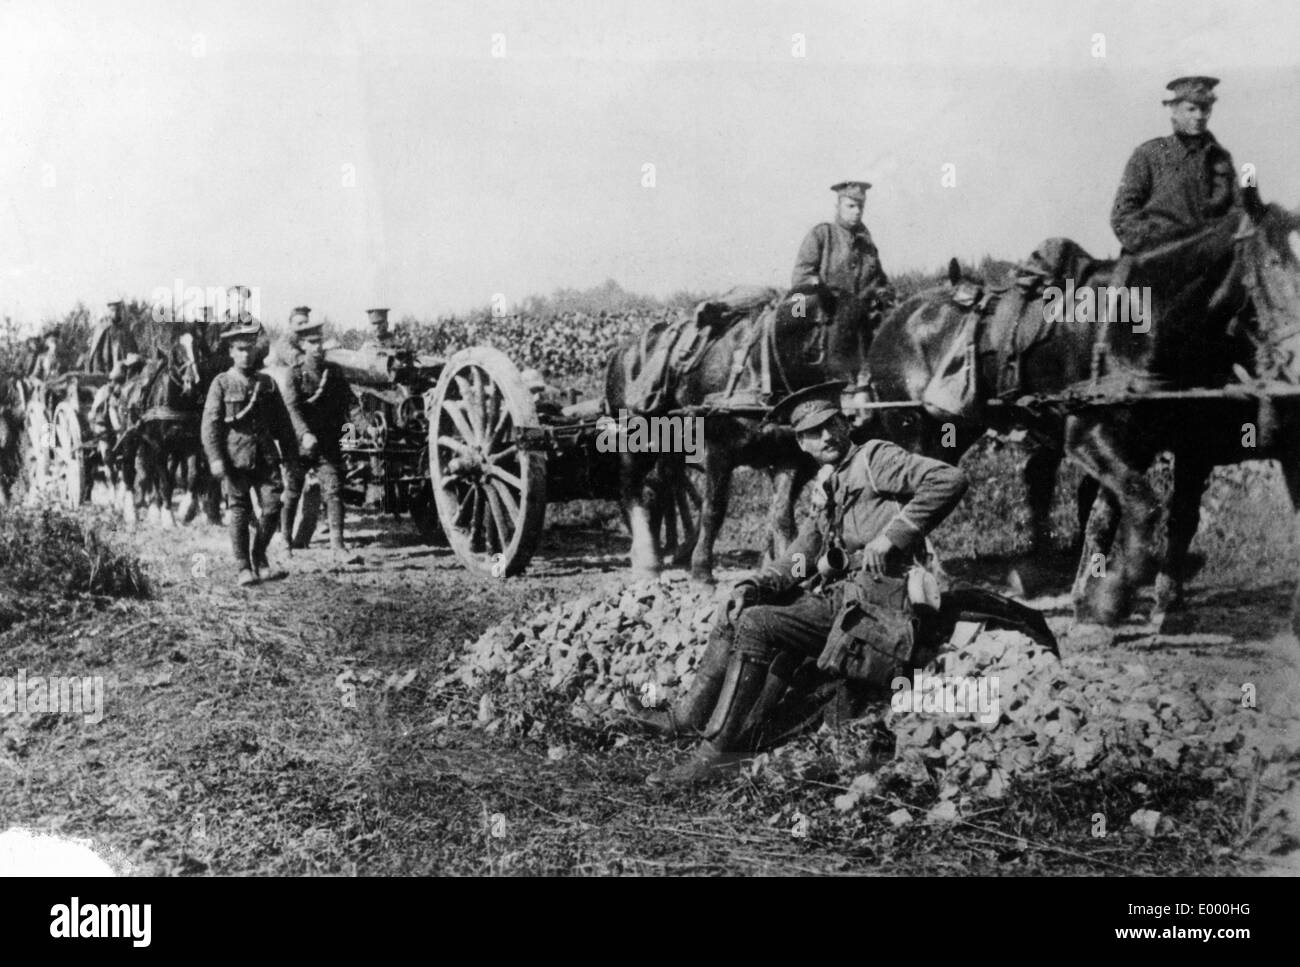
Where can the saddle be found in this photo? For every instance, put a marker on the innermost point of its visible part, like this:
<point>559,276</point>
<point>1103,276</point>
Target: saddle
<point>1007,322</point>
<point>669,351</point>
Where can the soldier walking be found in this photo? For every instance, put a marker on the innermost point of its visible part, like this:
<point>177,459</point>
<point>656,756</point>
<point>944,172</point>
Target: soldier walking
<point>243,420</point>
<point>318,397</point>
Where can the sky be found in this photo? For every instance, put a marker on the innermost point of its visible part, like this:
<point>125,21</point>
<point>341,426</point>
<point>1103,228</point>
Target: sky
<point>431,157</point>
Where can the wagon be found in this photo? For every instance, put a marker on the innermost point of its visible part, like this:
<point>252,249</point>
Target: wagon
<point>499,456</point>
<point>59,452</point>
<point>464,448</point>
<point>385,440</point>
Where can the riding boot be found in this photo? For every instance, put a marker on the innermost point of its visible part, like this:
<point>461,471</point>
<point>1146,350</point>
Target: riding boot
<point>743,706</point>
<point>239,540</point>
<point>288,511</point>
<point>334,514</point>
<point>689,714</point>
<point>266,528</point>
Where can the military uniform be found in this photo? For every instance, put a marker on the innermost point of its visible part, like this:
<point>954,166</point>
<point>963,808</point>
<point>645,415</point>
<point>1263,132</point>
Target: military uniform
<point>797,608</point>
<point>319,399</point>
<point>110,343</point>
<point>879,488</point>
<point>1175,185</point>
<point>841,256</point>
<point>243,419</point>
<point>1172,186</point>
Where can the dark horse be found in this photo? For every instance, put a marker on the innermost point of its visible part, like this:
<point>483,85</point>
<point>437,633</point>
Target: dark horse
<point>817,335</point>
<point>1199,286</point>
<point>162,441</point>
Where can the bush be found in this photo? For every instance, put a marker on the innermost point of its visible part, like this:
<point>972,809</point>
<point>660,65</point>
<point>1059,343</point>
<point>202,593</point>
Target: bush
<point>52,552</point>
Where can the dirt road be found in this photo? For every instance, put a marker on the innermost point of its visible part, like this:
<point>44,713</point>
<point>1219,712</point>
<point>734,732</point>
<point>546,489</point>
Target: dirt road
<point>292,728</point>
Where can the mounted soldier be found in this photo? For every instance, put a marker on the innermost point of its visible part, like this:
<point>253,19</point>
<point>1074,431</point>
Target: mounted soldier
<point>1175,185</point>
<point>110,342</point>
<point>841,254</point>
<point>318,398</point>
<point>43,365</point>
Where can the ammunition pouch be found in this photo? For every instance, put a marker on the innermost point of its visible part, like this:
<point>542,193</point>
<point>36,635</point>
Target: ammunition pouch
<point>874,634</point>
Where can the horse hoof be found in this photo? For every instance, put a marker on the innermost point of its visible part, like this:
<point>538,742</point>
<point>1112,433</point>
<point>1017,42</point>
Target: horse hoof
<point>1112,601</point>
<point>703,577</point>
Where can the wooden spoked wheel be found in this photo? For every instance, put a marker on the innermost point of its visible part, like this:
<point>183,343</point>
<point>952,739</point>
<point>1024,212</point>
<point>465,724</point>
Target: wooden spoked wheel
<point>489,490</point>
<point>36,446</point>
<point>67,459</point>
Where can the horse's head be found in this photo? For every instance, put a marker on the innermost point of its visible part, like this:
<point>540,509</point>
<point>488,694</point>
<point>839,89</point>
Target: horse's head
<point>1269,237</point>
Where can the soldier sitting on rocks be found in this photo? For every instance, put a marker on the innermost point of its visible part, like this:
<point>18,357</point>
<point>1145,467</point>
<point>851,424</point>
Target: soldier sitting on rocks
<point>851,592</point>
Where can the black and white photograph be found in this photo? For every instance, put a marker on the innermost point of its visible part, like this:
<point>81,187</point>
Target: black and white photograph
<point>695,438</point>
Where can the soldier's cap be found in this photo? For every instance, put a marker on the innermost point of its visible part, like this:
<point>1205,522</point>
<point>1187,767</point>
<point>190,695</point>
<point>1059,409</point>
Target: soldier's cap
<point>857,190</point>
<point>243,330</point>
<point>116,304</point>
<point>377,315</point>
<point>533,379</point>
<point>810,407</point>
<point>301,323</point>
<point>1196,88</point>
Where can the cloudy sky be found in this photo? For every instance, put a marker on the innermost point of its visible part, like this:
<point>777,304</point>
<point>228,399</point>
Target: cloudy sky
<point>429,156</point>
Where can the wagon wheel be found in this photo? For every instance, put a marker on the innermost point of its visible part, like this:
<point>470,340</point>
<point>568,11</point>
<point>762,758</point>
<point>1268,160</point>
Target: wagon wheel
<point>676,514</point>
<point>67,458</point>
<point>35,446</point>
<point>490,493</point>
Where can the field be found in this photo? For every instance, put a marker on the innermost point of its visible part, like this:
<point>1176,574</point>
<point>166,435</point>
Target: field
<point>306,726</point>
<point>328,722</point>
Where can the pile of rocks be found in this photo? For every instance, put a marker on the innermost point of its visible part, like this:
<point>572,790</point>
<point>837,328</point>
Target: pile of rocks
<point>645,636</point>
<point>985,712</point>
<point>1035,712</point>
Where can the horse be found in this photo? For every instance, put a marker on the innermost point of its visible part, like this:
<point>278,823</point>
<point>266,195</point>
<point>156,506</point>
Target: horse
<point>162,442</point>
<point>816,334</point>
<point>1202,287</point>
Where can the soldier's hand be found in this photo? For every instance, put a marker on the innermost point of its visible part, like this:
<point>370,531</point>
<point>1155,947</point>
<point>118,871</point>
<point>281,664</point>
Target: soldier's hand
<point>308,444</point>
<point>218,470</point>
<point>742,596</point>
<point>873,556</point>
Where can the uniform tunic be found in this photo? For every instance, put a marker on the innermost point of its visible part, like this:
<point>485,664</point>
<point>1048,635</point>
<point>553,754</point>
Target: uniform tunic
<point>840,258</point>
<point>110,343</point>
<point>1172,187</point>
<point>879,488</point>
<point>320,400</point>
<point>243,418</point>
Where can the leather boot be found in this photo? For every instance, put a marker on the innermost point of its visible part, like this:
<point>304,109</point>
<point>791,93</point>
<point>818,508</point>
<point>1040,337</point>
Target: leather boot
<point>288,510</point>
<point>334,514</point>
<point>266,528</point>
<point>239,540</point>
<point>687,717</point>
<point>742,706</point>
